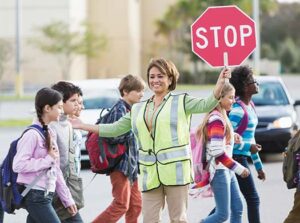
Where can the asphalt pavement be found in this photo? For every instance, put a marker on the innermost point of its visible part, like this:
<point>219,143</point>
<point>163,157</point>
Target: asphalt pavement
<point>276,199</point>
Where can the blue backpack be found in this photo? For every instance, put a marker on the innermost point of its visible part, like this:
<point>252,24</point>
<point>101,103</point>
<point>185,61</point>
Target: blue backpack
<point>11,193</point>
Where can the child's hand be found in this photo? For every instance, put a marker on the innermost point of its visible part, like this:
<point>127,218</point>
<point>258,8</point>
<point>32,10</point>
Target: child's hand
<point>76,122</point>
<point>245,173</point>
<point>261,175</point>
<point>237,138</point>
<point>255,148</point>
<point>72,209</point>
<point>53,152</point>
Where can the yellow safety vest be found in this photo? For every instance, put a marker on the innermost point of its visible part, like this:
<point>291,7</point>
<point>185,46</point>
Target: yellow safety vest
<point>164,158</point>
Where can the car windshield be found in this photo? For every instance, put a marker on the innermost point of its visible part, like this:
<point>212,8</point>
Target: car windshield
<point>101,100</point>
<point>270,93</point>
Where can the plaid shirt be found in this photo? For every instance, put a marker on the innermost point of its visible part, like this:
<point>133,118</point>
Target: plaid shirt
<point>129,163</point>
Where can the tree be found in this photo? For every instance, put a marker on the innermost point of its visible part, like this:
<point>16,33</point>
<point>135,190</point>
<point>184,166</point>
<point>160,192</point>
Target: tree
<point>176,22</point>
<point>5,55</point>
<point>288,55</point>
<point>58,39</point>
<point>281,34</point>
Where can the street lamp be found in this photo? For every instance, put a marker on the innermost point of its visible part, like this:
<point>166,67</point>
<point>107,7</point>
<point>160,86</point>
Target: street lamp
<point>19,79</point>
<point>256,54</point>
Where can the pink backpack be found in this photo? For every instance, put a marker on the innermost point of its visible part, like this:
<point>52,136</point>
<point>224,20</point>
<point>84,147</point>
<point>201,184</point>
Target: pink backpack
<point>201,186</point>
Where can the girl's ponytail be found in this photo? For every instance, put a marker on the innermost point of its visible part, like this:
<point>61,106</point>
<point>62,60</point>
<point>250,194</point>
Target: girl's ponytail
<point>46,96</point>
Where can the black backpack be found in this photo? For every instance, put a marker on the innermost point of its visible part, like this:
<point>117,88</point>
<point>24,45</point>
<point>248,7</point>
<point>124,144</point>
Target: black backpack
<point>11,193</point>
<point>291,162</point>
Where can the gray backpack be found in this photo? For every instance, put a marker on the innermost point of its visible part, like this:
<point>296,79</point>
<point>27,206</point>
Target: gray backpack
<point>291,162</point>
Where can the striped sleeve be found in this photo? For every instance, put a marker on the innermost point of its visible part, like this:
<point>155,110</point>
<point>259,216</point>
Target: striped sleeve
<point>215,135</point>
<point>256,161</point>
<point>230,163</point>
<point>216,130</point>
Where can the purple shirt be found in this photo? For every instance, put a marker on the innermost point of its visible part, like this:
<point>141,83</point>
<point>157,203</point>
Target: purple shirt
<point>32,159</point>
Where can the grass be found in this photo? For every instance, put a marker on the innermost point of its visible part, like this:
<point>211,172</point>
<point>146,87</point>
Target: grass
<point>15,123</point>
<point>25,122</point>
<point>16,98</point>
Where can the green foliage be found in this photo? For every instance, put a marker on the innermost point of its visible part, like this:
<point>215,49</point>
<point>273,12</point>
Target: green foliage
<point>281,33</point>
<point>59,39</point>
<point>267,51</point>
<point>203,77</point>
<point>5,55</point>
<point>288,55</point>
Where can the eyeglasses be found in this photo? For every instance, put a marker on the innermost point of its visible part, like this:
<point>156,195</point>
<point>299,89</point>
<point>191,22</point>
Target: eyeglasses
<point>253,82</point>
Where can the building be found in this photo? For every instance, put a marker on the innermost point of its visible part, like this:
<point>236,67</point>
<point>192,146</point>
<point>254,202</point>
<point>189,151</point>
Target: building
<point>129,26</point>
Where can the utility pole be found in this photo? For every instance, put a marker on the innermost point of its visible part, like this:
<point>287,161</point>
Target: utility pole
<point>256,54</point>
<point>19,79</point>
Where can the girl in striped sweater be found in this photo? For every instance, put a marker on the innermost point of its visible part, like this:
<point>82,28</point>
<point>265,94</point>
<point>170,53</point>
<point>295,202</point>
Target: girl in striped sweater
<point>219,137</point>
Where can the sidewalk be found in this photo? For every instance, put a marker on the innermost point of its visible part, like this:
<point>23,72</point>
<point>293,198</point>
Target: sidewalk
<point>16,109</point>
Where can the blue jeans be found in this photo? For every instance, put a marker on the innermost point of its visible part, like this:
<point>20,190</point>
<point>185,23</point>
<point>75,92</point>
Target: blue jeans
<point>40,207</point>
<point>1,214</point>
<point>227,197</point>
<point>74,219</point>
<point>248,189</point>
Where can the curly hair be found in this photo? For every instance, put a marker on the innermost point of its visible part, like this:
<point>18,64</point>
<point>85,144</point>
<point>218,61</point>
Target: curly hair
<point>240,76</point>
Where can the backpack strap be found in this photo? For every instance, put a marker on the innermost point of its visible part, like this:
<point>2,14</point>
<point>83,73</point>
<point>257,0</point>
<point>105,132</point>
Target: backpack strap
<point>36,127</point>
<point>244,122</point>
<point>33,183</point>
<point>40,130</point>
<point>105,112</point>
<point>71,153</point>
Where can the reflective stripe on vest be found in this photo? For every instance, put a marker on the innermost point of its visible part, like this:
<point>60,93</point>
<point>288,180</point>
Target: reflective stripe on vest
<point>164,159</point>
<point>164,156</point>
<point>134,114</point>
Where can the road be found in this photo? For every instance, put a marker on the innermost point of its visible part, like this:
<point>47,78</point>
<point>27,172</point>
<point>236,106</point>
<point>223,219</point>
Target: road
<point>276,199</point>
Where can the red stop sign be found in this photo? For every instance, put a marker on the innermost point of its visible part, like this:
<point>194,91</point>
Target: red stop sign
<point>221,30</point>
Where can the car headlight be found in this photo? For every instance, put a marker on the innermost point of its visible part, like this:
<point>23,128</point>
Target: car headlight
<point>283,122</point>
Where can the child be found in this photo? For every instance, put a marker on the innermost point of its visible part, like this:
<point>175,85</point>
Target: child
<point>127,197</point>
<point>219,137</point>
<point>67,150</point>
<point>245,85</point>
<point>294,214</point>
<point>34,156</point>
<point>77,136</point>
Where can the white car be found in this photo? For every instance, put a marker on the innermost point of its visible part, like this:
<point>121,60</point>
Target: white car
<point>98,94</point>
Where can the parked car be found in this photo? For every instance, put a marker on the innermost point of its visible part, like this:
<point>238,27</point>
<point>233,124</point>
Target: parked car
<point>276,113</point>
<point>98,94</point>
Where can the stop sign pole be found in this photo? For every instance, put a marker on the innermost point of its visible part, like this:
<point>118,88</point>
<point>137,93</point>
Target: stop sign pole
<point>223,36</point>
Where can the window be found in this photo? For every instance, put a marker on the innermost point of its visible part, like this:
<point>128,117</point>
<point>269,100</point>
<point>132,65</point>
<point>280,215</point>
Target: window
<point>270,93</point>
